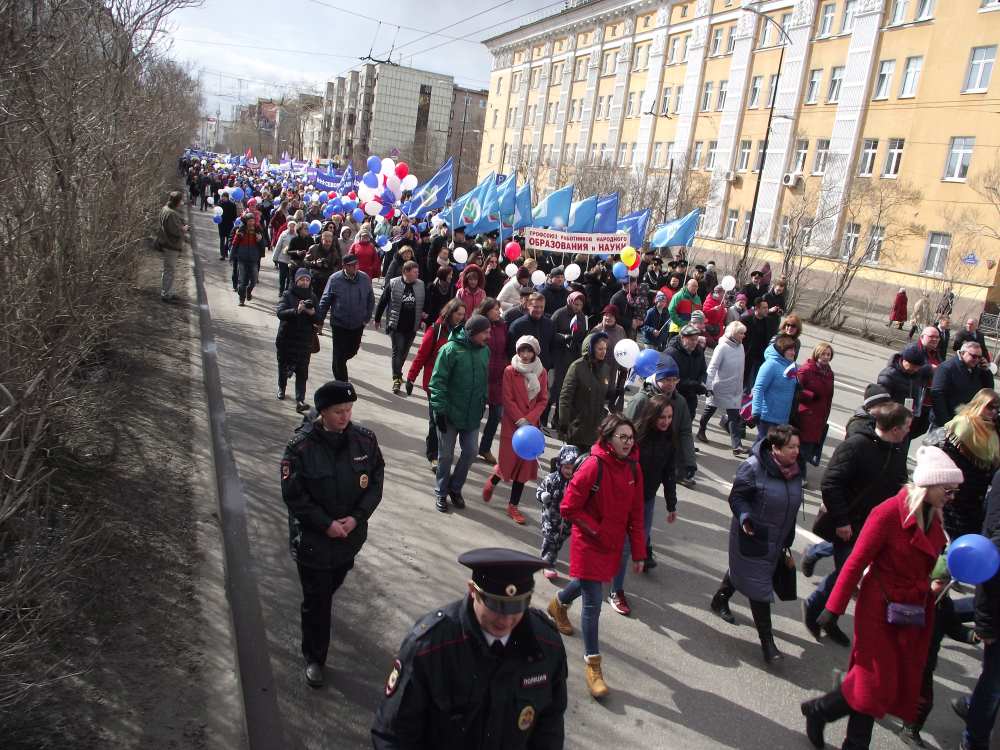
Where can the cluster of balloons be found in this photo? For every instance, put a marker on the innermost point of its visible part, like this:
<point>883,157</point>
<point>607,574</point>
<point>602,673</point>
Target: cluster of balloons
<point>382,186</point>
<point>628,265</point>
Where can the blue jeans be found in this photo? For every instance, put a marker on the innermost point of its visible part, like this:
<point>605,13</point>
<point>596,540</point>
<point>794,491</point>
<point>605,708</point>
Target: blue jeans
<point>762,428</point>
<point>985,701</point>
<point>817,599</point>
<point>819,550</point>
<point>246,274</point>
<point>490,430</point>
<point>593,595</point>
<point>448,480</point>
<point>619,581</point>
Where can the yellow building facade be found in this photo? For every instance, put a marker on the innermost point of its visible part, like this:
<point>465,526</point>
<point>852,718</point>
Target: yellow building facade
<point>865,98</point>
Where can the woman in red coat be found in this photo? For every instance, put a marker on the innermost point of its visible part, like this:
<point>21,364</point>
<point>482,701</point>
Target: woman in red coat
<point>815,400</point>
<point>368,259</point>
<point>525,394</point>
<point>436,336</point>
<point>601,520</point>
<point>898,312</point>
<point>901,541</point>
<point>497,342</point>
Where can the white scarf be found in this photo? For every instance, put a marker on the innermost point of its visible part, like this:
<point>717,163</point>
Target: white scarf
<point>530,372</point>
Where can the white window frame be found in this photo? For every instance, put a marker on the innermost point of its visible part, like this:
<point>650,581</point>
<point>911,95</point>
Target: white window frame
<point>893,158</point>
<point>711,154</point>
<point>743,156</point>
<point>622,154</point>
<point>732,220</point>
<point>720,102</point>
<point>822,156</point>
<point>761,156</point>
<point>706,95</point>
<point>696,152</point>
<point>657,153</point>
<point>764,39</point>
<point>956,168</point>
<point>936,253</point>
<point>883,80</point>
<point>849,243</point>
<point>753,98</point>
<point>850,15</point>
<point>835,85</point>
<point>731,40</point>
<point>677,101</point>
<point>630,104</point>
<point>665,95</point>
<point>925,10</point>
<point>899,12</point>
<point>801,155</point>
<point>911,77</point>
<point>813,85</point>
<point>593,154</point>
<point>716,48</point>
<point>826,16</point>
<point>672,50</point>
<point>868,157</point>
<point>876,243</point>
<point>980,71</point>
<point>492,153</point>
<point>772,90</point>
<point>747,216</point>
<point>632,155</point>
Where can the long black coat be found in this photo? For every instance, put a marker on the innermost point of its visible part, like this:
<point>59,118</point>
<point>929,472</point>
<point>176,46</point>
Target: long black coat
<point>295,331</point>
<point>966,511</point>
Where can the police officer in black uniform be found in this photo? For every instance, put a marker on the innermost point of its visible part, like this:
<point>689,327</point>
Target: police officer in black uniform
<point>483,673</point>
<point>331,481</point>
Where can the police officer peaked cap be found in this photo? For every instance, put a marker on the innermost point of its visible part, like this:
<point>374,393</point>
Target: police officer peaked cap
<point>504,578</point>
<point>333,393</point>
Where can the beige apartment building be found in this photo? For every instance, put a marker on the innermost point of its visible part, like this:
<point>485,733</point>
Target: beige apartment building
<point>871,103</point>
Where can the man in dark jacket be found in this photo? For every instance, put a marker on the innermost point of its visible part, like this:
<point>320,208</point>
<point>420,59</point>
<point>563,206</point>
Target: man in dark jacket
<point>331,481</point>
<point>501,660</point>
<point>957,381</point>
<point>906,378</point>
<point>944,335</point>
<point>350,299</point>
<point>690,358</point>
<point>569,328</point>
<point>760,329</point>
<point>170,242</point>
<point>536,323</point>
<point>865,469</point>
<point>403,297</point>
<point>971,332</point>
<point>631,304</point>
<point>555,291</point>
<point>229,215</point>
<point>322,260</point>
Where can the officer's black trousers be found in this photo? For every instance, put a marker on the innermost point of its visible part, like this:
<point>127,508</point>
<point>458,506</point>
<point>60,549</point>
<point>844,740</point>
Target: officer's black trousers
<point>318,588</point>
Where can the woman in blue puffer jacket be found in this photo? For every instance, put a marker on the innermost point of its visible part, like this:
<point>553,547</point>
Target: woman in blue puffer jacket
<point>774,389</point>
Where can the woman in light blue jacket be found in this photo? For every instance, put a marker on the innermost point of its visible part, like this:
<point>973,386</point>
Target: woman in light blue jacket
<point>774,389</point>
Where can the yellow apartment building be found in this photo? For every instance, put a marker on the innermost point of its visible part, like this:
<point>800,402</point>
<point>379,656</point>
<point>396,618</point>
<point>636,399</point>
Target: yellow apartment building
<point>860,101</point>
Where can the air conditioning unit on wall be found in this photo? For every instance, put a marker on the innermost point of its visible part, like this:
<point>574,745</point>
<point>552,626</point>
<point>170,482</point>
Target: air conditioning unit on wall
<point>730,176</point>
<point>791,180</point>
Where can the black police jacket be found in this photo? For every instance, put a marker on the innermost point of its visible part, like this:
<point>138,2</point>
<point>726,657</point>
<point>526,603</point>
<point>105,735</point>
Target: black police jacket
<point>326,476</point>
<point>447,690</point>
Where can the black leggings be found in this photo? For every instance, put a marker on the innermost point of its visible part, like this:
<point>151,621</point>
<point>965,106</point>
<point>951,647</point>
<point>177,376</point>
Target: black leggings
<point>516,488</point>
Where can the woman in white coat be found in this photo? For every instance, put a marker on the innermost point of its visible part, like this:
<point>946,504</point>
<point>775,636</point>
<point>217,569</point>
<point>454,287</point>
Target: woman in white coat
<point>724,381</point>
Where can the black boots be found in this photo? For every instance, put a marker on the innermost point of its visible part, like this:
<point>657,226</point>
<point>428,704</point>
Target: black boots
<point>650,560</point>
<point>762,621</point>
<point>820,711</point>
<point>720,602</point>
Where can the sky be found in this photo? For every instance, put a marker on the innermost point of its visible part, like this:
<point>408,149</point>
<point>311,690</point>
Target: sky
<point>252,49</point>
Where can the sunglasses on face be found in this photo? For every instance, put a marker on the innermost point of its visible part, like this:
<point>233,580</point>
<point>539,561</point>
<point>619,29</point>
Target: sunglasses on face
<point>624,437</point>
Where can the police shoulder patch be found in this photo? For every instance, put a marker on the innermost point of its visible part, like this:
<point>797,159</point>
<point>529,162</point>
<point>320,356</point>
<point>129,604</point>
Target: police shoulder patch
<point>392,681</point>
<point>526,718</point>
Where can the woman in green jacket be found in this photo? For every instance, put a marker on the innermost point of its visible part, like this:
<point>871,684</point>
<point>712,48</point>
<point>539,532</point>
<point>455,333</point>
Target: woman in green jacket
<point>585,392</point>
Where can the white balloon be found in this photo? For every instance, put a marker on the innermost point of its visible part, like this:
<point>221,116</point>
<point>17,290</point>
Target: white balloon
<point>634,273</point>
<point>315,197</point>
<point>538,277</point>
<point>388,167</point>
<point>728,283</point>
<point>461,255</point>
<point>393,183</point>
<point>409,182</point>
<point>372,208</point>
<point>211,200</point>
<point>365,194</point>
<point>436,220</point>
<point>511,270</point>
<point>626,352</point>
<point>572,272</point>
<point>217,210</point>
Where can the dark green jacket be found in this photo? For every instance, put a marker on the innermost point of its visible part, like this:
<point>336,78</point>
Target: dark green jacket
<point>584,397</point>
<point>325,477</point>
<point>459,382</point>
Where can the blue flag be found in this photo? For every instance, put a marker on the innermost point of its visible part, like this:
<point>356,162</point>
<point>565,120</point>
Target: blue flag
<point>582,214</point>
<point>522,208</point>
<point>606,220</point>
<point>475,211</point>
<point>677,232</point>
<point>433,194</point>
<point>507,204</point>
<point>635,224</point>
<point>455,213</point>
<point>347,181</point>
<point>328,184</point>
<point>553,211</point>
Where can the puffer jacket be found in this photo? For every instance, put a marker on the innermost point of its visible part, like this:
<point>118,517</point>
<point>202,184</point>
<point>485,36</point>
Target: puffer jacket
<point>773,391</point>
<point>724,376</point>
<point>815,400</point>
<point>351,302</point>
<point>602,520</point>
<point>295,331</point>
<point>906,387</point>
<point>458,386</point>
<point>584,395</point>
<point>692,371</point>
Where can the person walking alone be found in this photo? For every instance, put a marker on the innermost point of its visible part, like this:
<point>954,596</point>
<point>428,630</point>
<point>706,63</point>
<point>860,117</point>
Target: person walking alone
<point>170,242</point>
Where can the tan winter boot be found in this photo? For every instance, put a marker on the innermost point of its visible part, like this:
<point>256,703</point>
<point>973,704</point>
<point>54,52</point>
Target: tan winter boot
<point>595,678</point>
<point>557,611</point>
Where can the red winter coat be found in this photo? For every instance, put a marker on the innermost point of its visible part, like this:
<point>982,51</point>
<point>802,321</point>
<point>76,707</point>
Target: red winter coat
<point>815,400</point>
<point>898,313</point>
<point>434,338</point>
<point>516,405</point>
<point>715,315</point>
<point>471,299</point>
<point>499,361</point>
<point>887,661</point>
<point>600,523</point>
<point>368,260</point>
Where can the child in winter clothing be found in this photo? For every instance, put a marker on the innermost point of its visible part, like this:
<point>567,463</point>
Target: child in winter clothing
<point>555,530</point>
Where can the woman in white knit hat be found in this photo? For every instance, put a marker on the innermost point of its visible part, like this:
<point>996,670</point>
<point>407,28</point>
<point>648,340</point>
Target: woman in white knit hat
<point>893,617</point>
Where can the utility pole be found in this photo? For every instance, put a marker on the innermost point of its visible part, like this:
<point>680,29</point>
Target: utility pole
<point>461,145</point>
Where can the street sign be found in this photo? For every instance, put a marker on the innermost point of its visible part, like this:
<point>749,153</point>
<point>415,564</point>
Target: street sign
<point>970,259</point>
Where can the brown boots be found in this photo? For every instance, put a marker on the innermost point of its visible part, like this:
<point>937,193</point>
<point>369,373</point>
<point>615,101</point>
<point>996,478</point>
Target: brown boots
<point>557,611</point>
<point>595,677</point>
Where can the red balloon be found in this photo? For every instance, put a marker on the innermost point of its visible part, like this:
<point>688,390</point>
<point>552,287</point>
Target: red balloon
<point>512,251</point>
<point>352,195</point>
<point>391,214</point>
<point>331,196</point>
<point>636,264</point>
<point>402,169</point>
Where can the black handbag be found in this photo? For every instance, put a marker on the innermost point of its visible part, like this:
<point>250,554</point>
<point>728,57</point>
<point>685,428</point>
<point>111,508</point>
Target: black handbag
<point>784,579</point>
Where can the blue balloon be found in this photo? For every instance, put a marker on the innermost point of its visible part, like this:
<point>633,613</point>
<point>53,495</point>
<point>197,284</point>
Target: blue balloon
<point>238,194</point>
<point>323,197</point>
<point>358,215</point>
<point>370,179</point>
<point>382,241</point>
<point>338,207</point>
<point>973,559</point>
<point>620,270</point>
<point>645,363</point>
<point>388,197</point>
<point>528,442</point>
<point>374,165</point>
<point>315,226</point>
<point>422,226</point>
<point>328,210</point>
<point>217,218</point>
<point>238,223</point>
<point>349,205</point>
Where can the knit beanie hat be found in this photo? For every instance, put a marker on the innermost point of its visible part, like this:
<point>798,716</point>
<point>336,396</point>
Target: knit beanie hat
<point>302,273</point>
<point>666,368</point>
<point>875,394</point>
<point>935,467</point>
<point>567,455</point>
<point>476,324</point>
<point>529,341</point>
<point>914,354</point>
<point>697,315</point>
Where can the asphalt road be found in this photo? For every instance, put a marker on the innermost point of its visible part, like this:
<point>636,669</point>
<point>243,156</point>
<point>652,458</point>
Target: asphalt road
<point>680,677</point>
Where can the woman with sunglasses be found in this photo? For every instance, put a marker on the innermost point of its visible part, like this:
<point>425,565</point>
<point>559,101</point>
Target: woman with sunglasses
<point>791,326</point>
<point>894,614</point>
<point>604,502</point>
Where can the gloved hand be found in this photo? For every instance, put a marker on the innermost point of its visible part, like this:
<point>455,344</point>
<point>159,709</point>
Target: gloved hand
<point>826,618</point>
<point>441,421</point>
<point>752,422</point>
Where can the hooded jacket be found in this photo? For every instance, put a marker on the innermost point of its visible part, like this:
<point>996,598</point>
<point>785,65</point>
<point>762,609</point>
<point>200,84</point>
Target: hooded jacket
<point>584,395</point>
<point>773,391</point>
<point>459,383</point>
<point>471,298</point>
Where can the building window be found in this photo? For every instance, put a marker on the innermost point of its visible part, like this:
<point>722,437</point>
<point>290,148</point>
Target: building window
<point>847,22</point>
<point>696,155</point>
<point>496,116</point>
<point>911,76</point>
<point>743,159</point>
<point>812,88</point>
<point>556,76</point>
<point>977,80</point>
<point>765,32</point>
<point>665,100</point>
<point>640,56</point>
<point>713,147</point>
<point>893,157</point>
<point>635,149</point>
<point>732,219</point>
<point>822,155</point>
<point>608,65</point>
<point>684,48</point>
<point>959,157</point>
<point>747,219</point>
<point>883,82</point>
<point>899,12</point>
<point>938,245</point>
<point>801,152</point>
<point>657,154</point>
<point>772,90</point>
<point>852,233</point>
<point>499,84</point>
<point>672,51</point>
<point>706,96</point>
<point>489,158</point>
<point>580,69</point>
<point>677,101</point>
<point>622,154</point>
<point>836,79</point>
<point>731,40</point>
<point>701,220</point>
<point>866,164</point>
<point>754,99</point>
<point>925,10</point>
<point>535,75</point>
<point>720,103</point>
<point>669,151</point>
<point>826,20</point>
<point>716,47</point>
<point>550,113</point>
<point>605,153</point>
<point>760,157</point>
<point>876,239</point>
<point>785,23</point>
<point>630,104</point>
<point>593,154</point>
<point>784,230</point>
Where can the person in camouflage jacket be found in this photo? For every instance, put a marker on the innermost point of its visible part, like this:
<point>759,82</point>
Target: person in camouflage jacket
<point>555,529</point>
